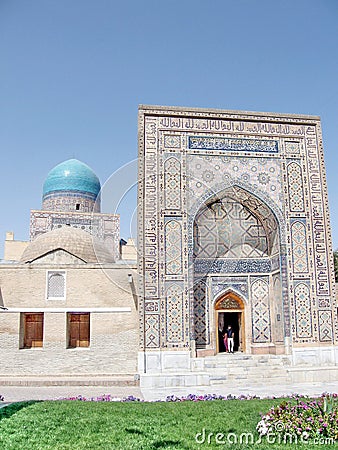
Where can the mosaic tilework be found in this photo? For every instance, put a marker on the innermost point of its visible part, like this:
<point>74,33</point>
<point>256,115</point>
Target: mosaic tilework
<point>303,310</point>
<point>152,334</point>
<point>174,314</point>
<point>279,311</point>
<point>172,181</point>
<point>325,326</point>
<point>173,241</point>
<point>71,201</point>
<point>292,147</point>
<point>92,226</point>
<point>259,209</point>
<point>260,311</point>
<point>318,199</point>
<point>201,315</point>
<point>226,228</point>
<point>206,173</point>
<point>299,247</point>
<point>238,145</point>
<point>204,266</point>
<point>172,141</point>
<point>152,306</point>
<point>295,183</point>
<point>237,284</point>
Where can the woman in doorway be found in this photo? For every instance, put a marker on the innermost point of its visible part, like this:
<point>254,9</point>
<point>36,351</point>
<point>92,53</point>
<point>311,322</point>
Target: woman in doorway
<point>225,340</point>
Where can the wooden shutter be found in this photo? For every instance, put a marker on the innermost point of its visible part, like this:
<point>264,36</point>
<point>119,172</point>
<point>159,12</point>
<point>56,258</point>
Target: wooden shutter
<point>33,330</point>
<point>79,330</point>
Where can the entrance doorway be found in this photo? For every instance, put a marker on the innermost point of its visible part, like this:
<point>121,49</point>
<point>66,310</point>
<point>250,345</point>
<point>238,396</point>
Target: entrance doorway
<point>229,310</point>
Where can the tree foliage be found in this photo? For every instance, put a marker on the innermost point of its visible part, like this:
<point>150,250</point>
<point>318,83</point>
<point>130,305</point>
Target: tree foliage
<point>335,260</point>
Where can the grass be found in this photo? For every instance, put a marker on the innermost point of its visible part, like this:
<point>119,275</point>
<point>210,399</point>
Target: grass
<point>140,426</point>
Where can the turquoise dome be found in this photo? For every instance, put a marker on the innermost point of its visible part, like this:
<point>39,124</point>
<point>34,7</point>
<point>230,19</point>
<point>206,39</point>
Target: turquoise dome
<point>72,176</point>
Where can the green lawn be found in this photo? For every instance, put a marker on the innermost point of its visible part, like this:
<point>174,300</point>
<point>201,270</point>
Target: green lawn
<point>103,425</point>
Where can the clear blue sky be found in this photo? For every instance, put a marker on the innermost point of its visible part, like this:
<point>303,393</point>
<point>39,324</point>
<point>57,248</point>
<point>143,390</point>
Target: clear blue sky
<point>72,73</point>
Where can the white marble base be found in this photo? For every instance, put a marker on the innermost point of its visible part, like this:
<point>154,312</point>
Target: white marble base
<point>315,356</point>
<point>163,362</point>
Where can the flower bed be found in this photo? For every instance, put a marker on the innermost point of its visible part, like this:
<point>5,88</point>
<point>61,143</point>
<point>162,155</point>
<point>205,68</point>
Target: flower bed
<point>308,419</point>
<point>174,398</point>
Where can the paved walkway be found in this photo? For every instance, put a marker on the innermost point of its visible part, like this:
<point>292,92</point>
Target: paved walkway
<point>19,393</point>
<point>261,390</point>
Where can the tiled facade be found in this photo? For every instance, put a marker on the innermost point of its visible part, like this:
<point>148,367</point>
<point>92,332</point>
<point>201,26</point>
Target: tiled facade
<point>233,202</point>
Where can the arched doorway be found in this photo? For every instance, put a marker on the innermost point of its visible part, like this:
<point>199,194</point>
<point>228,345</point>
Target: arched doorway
<point>229,310</point>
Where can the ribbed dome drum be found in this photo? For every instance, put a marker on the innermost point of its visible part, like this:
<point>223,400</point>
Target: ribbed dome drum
<point>71,186</point>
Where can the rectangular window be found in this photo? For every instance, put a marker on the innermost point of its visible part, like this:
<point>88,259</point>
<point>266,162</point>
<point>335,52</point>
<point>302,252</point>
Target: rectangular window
<point>78,330</point>
<point>32,329</point>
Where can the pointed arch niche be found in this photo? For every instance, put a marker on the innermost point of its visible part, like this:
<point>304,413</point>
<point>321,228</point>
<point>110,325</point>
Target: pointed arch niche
<point>237,247</point>
<point>230,310</point>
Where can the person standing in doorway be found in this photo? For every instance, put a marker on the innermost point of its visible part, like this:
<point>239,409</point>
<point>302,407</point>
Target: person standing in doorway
<point>230,335</point>
<point>225,340</point>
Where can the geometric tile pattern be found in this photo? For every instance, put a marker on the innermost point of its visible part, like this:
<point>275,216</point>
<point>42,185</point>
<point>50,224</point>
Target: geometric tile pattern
<point>295,183</point>
<point>152,334</point>
<point>299,247</point>
<point>201,314</point>
<point>228,229</point>
<point>261,330</point>
<point>174,314</point>
<point>172,141</point>
<point>206,173</point>
<point>69,201</point>
<point>239,285</point>
<point>325,326</point>
<point>292,147</point>
<point>303,310</point>
<point>172,181</point>
<point>173,247</point>
<point>56,284</point>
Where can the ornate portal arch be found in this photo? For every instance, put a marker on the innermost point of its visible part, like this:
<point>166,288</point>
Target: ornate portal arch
<point>237,236</point>
<point>253,195</point>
